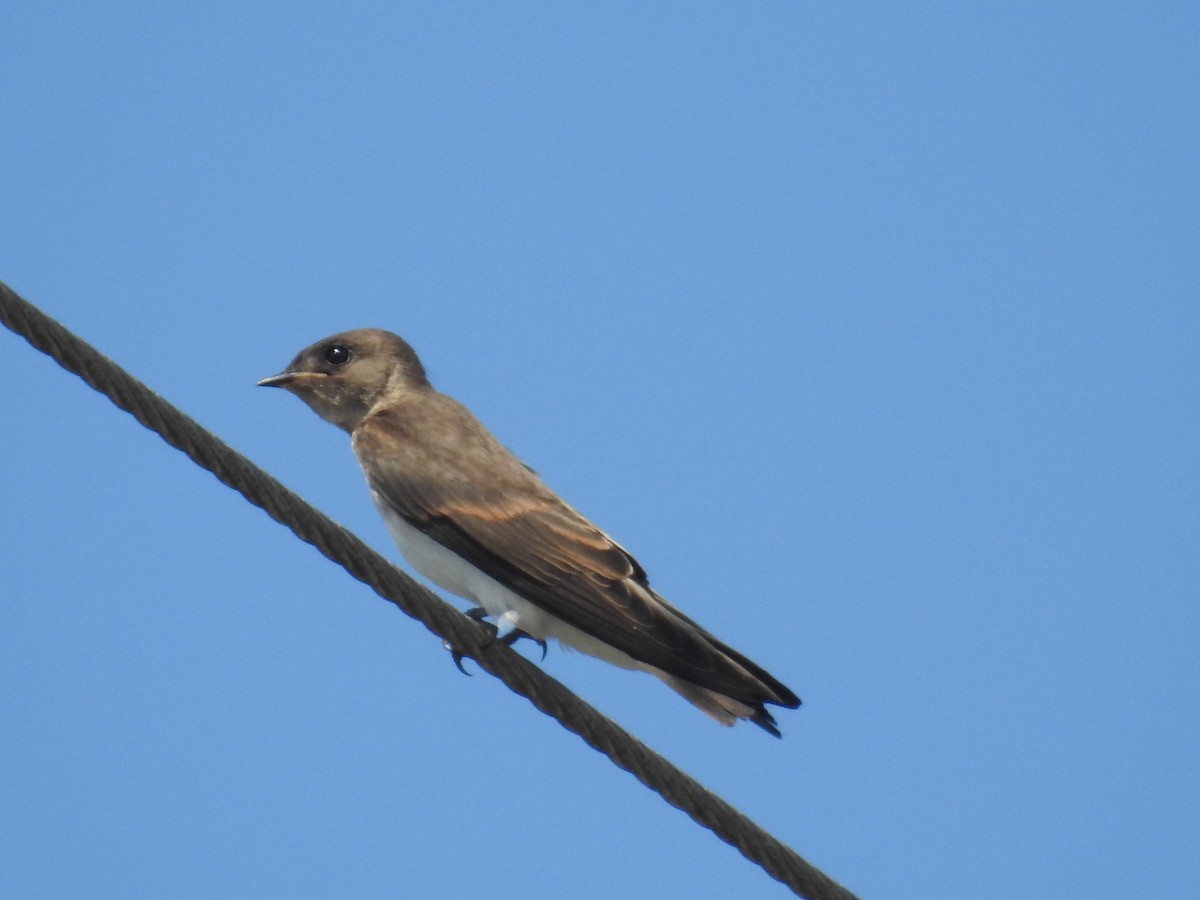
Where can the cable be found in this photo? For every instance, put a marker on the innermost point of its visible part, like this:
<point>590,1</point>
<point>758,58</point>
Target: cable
<point>339,545</point>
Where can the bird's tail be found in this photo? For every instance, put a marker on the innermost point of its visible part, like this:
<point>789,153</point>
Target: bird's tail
<point>724,709</point>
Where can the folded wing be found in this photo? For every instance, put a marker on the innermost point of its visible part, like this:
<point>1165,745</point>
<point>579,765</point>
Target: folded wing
<point>509,525</point>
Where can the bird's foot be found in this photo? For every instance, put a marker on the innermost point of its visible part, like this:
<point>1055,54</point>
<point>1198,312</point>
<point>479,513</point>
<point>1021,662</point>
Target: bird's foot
<point>479,614</point>
<point>516,634</point>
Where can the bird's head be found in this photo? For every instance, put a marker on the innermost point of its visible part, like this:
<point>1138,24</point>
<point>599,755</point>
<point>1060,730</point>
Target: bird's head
<point>342,377</point>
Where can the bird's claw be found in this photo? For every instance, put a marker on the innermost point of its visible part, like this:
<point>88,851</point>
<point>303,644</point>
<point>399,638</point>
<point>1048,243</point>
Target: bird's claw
<point>478,614</point>
<point>516,634</point>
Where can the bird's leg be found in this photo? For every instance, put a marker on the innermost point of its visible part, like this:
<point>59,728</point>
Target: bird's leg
<point>478,614</point>
<point>516,634</point>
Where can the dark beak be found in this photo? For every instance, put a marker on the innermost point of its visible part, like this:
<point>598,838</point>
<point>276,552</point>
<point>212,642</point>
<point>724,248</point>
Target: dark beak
<point>283,379</point>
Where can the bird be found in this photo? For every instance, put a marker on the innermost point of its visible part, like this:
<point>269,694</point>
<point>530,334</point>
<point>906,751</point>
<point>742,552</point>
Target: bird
<point>475,520</point>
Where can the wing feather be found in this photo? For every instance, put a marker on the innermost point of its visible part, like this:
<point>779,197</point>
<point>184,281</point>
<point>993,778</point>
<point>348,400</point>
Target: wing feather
<point>483,504</point>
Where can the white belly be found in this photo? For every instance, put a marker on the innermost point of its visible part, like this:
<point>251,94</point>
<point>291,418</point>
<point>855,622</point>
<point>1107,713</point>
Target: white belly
<point>451,572</point>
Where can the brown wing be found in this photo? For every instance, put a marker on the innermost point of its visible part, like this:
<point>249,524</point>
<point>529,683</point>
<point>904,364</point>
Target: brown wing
<point>503,520</point>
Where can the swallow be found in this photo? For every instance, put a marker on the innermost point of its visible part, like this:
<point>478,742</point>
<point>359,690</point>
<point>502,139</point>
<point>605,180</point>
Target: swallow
<point>468,515</point>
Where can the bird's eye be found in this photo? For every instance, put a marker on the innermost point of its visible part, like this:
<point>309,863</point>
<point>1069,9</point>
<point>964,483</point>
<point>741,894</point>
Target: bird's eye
<point>337,355</point>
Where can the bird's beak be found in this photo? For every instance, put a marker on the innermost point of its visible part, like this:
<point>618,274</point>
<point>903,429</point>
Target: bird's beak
<point>283,379</point>
<point>293,381</point>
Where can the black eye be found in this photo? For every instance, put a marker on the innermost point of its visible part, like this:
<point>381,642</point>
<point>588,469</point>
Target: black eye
<point>337,355</point>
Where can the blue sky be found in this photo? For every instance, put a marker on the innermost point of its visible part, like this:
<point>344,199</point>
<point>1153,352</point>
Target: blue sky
<point>870,330</point>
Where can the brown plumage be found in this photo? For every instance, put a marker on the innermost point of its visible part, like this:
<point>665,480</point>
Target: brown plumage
<point>444,483</point>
